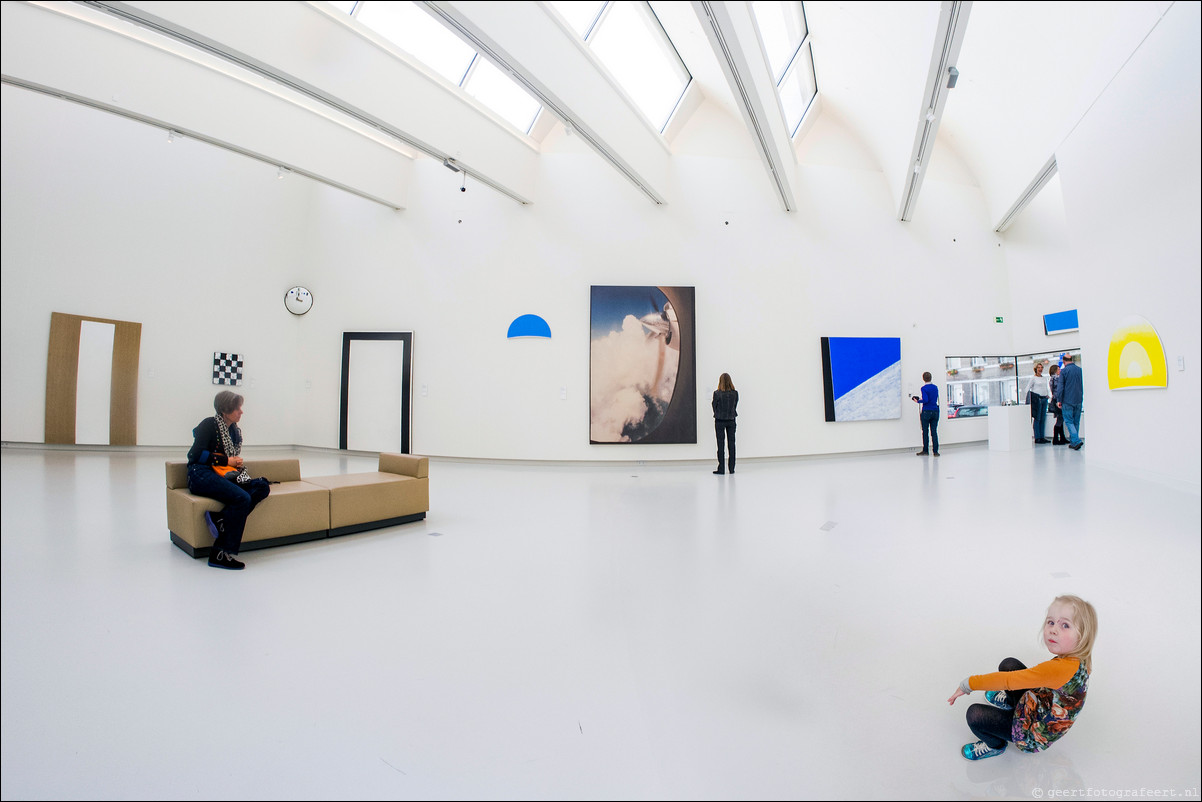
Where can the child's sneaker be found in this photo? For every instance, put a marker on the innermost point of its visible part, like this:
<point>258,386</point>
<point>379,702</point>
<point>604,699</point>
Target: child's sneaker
<point>998,699</point>
<point>980,750</point>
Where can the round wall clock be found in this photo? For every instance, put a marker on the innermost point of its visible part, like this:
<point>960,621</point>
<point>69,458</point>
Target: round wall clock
<point>298,300</point>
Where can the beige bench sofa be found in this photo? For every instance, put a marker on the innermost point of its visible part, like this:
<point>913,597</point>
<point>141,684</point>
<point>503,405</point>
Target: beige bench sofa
<point>305,509</point>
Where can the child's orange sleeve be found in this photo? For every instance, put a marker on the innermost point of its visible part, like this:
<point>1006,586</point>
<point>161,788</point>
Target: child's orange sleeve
<point>1051,674</point>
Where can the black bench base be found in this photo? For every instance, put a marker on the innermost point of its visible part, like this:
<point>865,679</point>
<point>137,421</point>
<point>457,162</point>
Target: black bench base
<point>304,537</point>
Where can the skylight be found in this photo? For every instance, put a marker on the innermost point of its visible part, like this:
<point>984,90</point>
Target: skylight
<point>427,40</point>
<point>786,41</point>
<point>627,38</point>
<point>421,36</point>
<point>580,15</point>
<point>502,94</point>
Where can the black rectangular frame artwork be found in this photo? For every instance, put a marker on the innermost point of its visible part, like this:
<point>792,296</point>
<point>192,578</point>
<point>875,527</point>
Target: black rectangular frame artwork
<point>828,386</point>
<point>406,380</point>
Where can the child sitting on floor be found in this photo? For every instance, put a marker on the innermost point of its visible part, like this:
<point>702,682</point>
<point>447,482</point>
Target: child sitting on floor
<point>1033,707</point>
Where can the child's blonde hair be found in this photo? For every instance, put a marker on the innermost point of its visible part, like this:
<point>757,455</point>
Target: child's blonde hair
<point>1085,619</point>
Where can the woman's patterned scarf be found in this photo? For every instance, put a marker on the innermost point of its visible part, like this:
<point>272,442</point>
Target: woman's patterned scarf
<point>232,449</point>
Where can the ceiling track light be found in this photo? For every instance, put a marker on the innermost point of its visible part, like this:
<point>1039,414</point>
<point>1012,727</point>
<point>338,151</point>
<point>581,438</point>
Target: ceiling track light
<point>195,136</point>
<point>942,77</point>
<point>171,135</point>
<point>450,165</point>
<point>281,171</point>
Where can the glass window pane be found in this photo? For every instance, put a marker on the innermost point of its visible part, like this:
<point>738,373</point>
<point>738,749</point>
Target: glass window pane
<point>634,48</point>
<point>579,14</point>
<point>797,89</point>
<point>502,94</point>
<point>782,29</point>
<point>420,35</point>
<point>1026,374</point>
<point>976,383</point>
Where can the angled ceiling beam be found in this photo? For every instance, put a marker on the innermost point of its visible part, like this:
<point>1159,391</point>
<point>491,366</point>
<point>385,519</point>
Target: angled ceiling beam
<point>330,58</point>
<point>941,78</point>
<point>554,65</point>
<point>733,35</point>
<point>1024,199</point>
<point>79,54</point>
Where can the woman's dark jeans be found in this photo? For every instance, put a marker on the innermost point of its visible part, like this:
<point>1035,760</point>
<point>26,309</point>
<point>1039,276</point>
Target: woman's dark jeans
<point>725,428</point>
<point>239,500</point>
<point>930,429</point>
<point>1039,415</point>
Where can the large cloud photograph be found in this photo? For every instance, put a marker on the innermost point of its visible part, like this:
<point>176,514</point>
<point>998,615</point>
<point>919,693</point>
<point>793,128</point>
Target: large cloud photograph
<point>642,370</point>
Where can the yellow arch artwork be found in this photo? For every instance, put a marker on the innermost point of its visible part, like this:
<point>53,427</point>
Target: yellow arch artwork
<point>1136,357</point>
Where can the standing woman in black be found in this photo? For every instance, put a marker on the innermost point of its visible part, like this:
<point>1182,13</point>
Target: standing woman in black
<point>726,398</point>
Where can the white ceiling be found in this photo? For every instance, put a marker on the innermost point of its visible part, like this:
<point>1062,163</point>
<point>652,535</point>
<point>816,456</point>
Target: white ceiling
<point>1028,71</point>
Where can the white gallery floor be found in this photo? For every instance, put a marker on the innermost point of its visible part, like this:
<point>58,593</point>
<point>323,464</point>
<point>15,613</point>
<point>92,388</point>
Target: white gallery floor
<point>608,632</point>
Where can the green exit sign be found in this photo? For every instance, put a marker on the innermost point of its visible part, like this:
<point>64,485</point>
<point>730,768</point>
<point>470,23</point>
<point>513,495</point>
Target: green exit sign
<point>997,319</point>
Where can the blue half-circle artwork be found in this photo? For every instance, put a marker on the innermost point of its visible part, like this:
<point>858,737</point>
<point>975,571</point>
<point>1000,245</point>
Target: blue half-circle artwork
<point>529,326</point>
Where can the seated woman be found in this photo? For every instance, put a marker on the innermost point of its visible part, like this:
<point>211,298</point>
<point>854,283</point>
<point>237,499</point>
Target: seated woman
<point>215,470</point>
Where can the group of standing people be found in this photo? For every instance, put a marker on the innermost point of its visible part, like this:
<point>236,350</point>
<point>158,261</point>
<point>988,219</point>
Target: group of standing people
<point>1060,392</point>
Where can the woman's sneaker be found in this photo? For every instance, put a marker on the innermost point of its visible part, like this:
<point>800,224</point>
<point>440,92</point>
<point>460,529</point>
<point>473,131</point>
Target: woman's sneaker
<point>219,559</point>
<point>998,699</point>
<point>980,750</point>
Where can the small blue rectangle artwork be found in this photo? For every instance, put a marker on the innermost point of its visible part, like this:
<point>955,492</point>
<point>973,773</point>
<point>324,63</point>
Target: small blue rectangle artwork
<point>861,378</point>
<point>1060,322</point>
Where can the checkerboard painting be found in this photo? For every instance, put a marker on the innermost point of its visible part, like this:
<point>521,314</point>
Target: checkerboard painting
<point>227,368</point>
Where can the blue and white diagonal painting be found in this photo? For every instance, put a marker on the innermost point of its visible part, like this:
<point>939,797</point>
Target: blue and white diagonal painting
<point>861,378</point>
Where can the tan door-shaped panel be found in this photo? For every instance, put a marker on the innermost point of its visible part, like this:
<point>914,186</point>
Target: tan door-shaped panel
<point>62,378</point>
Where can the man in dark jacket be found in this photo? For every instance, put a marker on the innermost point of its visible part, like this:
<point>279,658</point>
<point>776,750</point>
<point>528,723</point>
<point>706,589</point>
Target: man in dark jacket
<point>1070,393</point>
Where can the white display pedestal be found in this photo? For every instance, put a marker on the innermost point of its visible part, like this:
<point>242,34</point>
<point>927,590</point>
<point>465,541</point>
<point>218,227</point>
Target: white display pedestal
<point>1010,428</point>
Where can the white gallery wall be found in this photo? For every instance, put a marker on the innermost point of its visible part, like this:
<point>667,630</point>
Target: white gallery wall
<point>1130,172</point>
<point>103,217</point>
